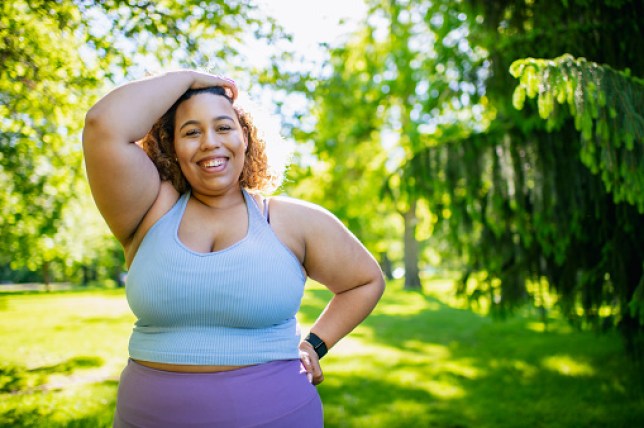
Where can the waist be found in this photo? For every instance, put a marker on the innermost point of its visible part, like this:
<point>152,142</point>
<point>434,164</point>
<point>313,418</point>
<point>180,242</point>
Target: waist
<point>187,368</point>
<point>213,348</point>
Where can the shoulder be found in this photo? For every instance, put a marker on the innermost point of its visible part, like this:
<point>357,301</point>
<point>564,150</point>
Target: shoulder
<point>299,211</point>
<point>308,223</point>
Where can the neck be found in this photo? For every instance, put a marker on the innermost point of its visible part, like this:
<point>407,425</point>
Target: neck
<point>226,200</point>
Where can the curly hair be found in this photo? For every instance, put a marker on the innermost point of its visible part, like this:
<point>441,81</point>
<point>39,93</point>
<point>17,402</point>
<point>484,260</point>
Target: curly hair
<point>256,174</point>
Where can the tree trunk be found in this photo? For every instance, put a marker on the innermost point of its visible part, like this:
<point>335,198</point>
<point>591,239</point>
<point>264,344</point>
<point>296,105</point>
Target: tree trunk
<point>412,277</point>
<point>385,265</point>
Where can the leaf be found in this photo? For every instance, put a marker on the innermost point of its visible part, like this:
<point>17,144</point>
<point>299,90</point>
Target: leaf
<point>518,97</point>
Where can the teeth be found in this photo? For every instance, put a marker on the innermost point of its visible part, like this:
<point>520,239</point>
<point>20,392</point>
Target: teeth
<point>213,162</point>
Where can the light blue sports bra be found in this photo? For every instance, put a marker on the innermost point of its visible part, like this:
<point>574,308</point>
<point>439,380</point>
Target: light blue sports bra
<point>236,306</point>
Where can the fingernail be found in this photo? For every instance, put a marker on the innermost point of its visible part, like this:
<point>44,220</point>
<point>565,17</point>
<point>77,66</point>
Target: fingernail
<point>309,376</point>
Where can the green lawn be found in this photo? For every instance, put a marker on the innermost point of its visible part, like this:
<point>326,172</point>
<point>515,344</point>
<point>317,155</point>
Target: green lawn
<point>418,361</point>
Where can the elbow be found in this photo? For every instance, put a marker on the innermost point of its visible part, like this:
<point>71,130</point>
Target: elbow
<point>376,286</point>
<point>379,287</point>
<point>88,128</point>
<point>94,125</point>
<point>92,118</point>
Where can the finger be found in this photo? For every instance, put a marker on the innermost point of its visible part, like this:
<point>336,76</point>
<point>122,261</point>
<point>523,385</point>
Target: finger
<point>204,80</point>
<point>318,375</point>
<point>231,86</point>
<point>306,364</point>
<point>318,379</point>
<point>305,358</point>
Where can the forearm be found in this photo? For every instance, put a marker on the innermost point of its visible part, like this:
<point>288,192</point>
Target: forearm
<point>131,109</point>
<point>347,310</point>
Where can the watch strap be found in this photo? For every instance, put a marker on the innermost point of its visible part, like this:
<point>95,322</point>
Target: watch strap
<point>318,344</point>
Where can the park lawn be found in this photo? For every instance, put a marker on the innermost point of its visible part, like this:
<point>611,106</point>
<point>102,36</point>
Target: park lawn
<point>418,361</point>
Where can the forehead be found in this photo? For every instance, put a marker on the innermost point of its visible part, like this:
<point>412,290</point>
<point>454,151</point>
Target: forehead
<point>204,106</point>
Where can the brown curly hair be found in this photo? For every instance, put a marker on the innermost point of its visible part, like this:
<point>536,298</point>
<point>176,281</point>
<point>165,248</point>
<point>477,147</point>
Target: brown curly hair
<point>159,145</point>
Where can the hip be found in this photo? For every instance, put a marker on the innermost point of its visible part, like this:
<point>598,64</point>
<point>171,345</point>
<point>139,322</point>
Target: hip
<point>271,394</point>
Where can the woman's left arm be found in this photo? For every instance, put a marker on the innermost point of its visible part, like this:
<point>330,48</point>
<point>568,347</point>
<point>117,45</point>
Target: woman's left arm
<point>334,257</point>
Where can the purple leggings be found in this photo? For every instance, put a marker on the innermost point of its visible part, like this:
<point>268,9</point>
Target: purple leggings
<point>275,394</point>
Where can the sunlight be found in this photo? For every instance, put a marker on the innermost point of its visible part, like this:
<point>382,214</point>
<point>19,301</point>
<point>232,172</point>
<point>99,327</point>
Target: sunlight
<point>567,366</point>
<point>445,390</point>
<point>310,24</point>
<point>313,22</point>
<point>462,369</point>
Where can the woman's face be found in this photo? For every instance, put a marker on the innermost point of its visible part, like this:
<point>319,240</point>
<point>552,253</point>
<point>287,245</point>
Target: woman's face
<point>210,144</point>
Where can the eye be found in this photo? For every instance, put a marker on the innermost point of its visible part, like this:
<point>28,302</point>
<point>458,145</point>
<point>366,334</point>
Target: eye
<point>192,132</point>
<point>224,128</point>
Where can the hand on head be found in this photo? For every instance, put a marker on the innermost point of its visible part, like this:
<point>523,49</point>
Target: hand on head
<point>204,80</point>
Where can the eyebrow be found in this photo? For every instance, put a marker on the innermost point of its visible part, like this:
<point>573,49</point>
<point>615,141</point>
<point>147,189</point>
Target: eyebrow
<point>196,122</point>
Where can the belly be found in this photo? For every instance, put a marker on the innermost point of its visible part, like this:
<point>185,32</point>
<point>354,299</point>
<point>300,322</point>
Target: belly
<point>187,368</point>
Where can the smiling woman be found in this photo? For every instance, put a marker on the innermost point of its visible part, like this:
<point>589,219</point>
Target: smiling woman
<point>224,122</point>
<point>216,270</point>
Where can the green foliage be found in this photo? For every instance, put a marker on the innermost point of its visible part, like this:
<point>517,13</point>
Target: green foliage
<point>607,109</point>
<point>56,57</point>
<point>517,198</point>
<point>44,89</point>
<point>376,96</point>
<point>418,107</point>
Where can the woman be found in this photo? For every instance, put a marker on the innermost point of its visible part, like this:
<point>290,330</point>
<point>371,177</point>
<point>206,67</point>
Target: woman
<point>216,273</point>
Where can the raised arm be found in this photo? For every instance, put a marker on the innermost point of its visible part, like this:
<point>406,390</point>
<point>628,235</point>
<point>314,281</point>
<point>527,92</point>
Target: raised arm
<point>123,179</point>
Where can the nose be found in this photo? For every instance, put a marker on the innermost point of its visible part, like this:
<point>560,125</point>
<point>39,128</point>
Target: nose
<point>209,141</point>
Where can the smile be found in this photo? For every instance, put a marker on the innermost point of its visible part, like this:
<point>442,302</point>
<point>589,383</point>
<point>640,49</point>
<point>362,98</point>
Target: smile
<point>212,163</point>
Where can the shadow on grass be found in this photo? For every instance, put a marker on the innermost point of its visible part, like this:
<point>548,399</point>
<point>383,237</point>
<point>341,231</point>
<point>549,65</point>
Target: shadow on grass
<point>420,362</point>
<point>56,409</point>
<point>70,365</point>
<point>14,378</point>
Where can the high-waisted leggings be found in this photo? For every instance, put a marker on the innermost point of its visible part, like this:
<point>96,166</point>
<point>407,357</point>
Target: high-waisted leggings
<point>275,394</point>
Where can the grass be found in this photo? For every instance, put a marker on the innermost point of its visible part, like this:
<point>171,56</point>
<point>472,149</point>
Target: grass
<point>418,361</point>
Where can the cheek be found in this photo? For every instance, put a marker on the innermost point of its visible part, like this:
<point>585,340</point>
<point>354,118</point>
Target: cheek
<point>181,149</point>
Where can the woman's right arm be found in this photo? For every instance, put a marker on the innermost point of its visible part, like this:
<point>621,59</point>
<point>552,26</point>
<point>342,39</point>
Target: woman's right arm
<point>124,181</point>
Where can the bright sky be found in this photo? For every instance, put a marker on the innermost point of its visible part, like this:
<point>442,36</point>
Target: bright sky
<point>315,21</point>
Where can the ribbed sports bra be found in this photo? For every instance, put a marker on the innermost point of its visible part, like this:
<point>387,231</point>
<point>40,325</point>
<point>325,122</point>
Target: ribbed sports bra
<point>236,306</point>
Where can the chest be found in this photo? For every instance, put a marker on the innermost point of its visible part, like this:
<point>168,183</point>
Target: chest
<point>206,230</point>
<point>170,283</point>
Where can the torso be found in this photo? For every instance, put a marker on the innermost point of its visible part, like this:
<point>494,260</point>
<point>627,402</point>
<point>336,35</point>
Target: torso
<point>207,230</point>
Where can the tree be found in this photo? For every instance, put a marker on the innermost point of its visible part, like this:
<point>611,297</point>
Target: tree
<point>522,198</point>
<point>40,163</point>
<point>56,57</point>
<point>524,206</point>
<point>605,105</point>
<point>377,97</point>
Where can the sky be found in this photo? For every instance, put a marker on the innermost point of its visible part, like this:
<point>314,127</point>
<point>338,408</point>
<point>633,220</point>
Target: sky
<point>315,21</point>
<point>310,22</point>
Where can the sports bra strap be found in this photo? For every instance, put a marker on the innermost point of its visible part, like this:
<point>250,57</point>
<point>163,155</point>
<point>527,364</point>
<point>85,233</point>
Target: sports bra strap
<point>267,215</point>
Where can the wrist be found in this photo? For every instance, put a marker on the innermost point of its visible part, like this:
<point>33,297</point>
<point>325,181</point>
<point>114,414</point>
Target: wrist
<point>317,344</point>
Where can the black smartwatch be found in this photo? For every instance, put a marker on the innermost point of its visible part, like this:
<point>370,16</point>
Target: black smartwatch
<point>318,344</point>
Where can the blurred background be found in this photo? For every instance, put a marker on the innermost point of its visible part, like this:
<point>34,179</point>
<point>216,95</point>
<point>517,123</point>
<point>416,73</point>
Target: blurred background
<point>489,154</point>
